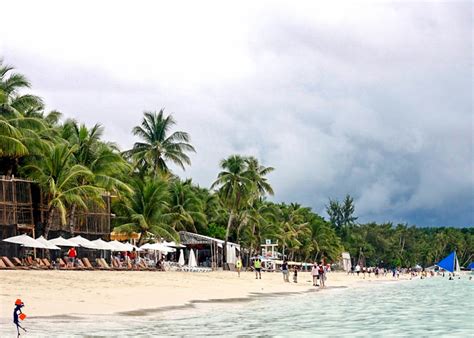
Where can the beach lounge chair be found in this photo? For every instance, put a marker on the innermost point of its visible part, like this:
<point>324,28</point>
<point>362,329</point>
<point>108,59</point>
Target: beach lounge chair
<point>32,263</point>
<point>18,263</point>
<point>62,264</point>
<point>87,263</point>
<point>47,263</point>
<point>116,264</point>
<point>80,265</point>
<point>141,265</point>
<point>3,265</point>
<point>129,264</point>
<point>102,264</point>
<point>8,262</point>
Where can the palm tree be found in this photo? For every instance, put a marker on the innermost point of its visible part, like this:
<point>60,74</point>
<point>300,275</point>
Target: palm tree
<point>11,84</point>
<point>99,157</point>
<point>256,174</point>
<point>234,188</point>
<point>186,205</point>
<point>146,210</point>
<point>260,221</point>
<point>18,131</point>
<point>292,226</point>
<point>158,146</point>
<point>60,182</point>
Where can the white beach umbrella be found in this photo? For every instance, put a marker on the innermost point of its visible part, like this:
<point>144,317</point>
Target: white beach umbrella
<point>48,245</point>
<point>118,246</point>
<point>192,259</point>
<point>130,247</point>
<point>84,242</point>
<point>162,248</point>
<point>60,241</point>
<point>26,241</point>
<point>174,245</point>
<point>146,246</point>
<point>181,257</point>
<point>103,245</point>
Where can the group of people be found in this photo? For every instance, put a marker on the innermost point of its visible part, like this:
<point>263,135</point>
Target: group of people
<point>367,270</point>
<point>318,271</point>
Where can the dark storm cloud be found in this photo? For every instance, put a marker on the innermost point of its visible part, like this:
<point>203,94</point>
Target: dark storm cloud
<point>377,105</point>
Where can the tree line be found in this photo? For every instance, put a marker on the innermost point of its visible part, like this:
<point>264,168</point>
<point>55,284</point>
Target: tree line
<point>74,166</point>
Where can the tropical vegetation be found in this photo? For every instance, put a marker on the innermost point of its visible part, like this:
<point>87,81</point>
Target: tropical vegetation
<point>74,167</point>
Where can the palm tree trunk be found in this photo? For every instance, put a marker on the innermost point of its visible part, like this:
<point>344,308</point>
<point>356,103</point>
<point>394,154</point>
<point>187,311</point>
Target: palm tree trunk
<point>227,233</point>
<point>71,220</point>
<point>49,221</point>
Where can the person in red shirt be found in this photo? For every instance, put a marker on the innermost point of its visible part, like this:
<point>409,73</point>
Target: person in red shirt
<point>72,254</point>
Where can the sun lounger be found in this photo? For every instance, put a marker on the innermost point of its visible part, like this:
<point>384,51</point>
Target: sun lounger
<point>102,264</point>
<point>3,265</point>
<point>62,264</point>
<point>47,263</point>
<point>87,263</point>
<point>29,262</point>
<point>80,265</point>
<point>18,264</point>
<point>8,262</point>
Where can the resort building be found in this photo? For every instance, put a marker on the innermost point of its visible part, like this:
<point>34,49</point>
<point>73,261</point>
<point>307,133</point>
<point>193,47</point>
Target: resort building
<point>23,210</point>
<point>210,251</point>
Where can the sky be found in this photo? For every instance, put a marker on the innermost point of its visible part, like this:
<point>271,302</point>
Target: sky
<point>368,98</point>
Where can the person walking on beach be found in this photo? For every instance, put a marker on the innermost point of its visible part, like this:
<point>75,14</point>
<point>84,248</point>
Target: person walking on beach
<point>284,270</point>
<point>357,269</point>
<point>72,254</point>
<point>295,275</point>
<point>322,275</point>
<point>238,265</point>
<point>315,274</point>
<point>258,268</point>
<point>17,314</point>
<point>133,258</point>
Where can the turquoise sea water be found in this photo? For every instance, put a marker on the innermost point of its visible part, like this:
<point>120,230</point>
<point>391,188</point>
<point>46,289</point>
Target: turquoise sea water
<point>427,308</point>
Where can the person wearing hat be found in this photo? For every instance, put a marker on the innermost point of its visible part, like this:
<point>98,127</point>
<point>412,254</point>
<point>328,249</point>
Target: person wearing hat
<point>17,315</point>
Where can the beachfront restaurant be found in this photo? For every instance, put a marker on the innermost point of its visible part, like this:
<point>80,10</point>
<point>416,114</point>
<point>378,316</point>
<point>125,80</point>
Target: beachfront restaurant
<point>209,251</point>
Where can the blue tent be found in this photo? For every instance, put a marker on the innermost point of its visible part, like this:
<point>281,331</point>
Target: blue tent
<point>471,266</point>
<point>448,263</point>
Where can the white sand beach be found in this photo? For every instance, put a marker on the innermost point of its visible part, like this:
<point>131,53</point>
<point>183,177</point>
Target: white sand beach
<point>50,293</point>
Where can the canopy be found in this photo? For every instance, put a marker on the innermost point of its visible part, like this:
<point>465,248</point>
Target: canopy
<point>449,262</point>
<point>118,246</point>
<point>48,245</point>
<point>192,259</point>
<point>471,266</point>
<point>174,245</point>
<point>60,241</point>
<point>103,245</point>
<point>84,242</point>
<point>130,247</point>
<point>26,241</point>
<point>181,257</point>
<point>157,247</point>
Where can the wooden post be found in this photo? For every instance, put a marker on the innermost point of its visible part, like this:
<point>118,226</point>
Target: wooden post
<point>15,221</point>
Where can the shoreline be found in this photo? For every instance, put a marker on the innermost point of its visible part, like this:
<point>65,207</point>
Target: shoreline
<point>82,293</point>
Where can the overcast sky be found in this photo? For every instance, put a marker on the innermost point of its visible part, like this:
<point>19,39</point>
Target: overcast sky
<point>373,99</point>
